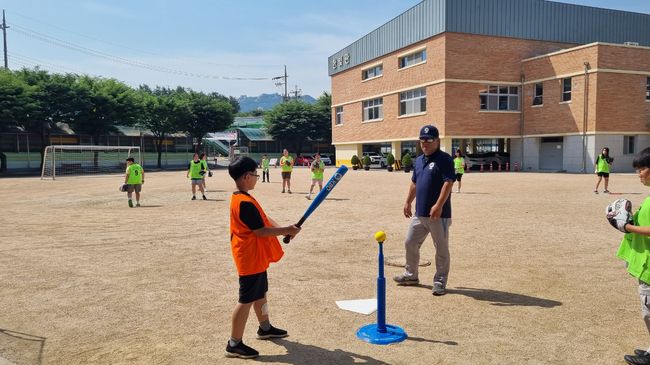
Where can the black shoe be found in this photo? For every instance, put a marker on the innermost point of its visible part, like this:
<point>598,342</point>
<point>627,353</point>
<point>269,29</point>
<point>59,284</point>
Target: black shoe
<point>242,351</point>
<point>204,198</point>
<point>637,360</point>
<point>642,353</point>
<point>193,197</point>
<point>271,333</point>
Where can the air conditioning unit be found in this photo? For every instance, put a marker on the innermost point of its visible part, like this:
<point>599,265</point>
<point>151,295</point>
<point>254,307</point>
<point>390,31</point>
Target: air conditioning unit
<point>631,43</point>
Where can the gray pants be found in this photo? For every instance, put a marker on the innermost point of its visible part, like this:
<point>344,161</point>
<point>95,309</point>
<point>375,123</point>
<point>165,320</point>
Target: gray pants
<point>419,229</point>
<point>644,295</point>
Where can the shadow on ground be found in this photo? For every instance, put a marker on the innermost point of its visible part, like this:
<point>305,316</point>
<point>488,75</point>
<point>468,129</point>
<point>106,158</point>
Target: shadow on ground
<point>21,348</point>
<point>298,353</point>
<point>500,298</point>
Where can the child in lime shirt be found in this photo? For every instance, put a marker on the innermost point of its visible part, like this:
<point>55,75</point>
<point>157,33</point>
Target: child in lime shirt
<point>317,169</point>
<point>635,250</point>
<point>265,169</point>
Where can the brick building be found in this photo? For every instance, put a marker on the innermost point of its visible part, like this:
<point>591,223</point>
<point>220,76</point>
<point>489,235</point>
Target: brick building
<point>546,84</point>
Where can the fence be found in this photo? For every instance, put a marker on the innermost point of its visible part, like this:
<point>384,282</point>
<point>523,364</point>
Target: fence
<point>22,151</point>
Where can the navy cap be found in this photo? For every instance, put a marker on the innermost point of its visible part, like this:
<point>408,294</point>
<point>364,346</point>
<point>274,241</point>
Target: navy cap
<point>429,132</point>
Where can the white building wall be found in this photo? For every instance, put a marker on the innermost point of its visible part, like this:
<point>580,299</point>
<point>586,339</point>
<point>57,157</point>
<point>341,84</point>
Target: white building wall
<point>531,153</point>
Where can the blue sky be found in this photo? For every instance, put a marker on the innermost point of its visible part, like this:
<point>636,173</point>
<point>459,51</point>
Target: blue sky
<point>199,44</point>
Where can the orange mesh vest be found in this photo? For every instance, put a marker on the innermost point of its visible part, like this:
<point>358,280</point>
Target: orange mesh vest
<point>252,254</point>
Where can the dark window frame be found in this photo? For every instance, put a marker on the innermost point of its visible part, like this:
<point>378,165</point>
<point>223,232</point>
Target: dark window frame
<point>538,97</point>
<point>567,87</point>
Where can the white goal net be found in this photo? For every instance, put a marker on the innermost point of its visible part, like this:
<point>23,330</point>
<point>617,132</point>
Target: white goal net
<point>62,160</point>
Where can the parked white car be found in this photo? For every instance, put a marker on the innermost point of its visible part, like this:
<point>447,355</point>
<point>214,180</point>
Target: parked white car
<point>375,158</point>
<point>326,159</point>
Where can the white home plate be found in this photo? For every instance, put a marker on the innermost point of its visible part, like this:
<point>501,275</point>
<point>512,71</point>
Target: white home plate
<point>363,306</point>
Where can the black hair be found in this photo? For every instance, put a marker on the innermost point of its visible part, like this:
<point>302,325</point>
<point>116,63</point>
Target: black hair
<point>606,149</point>
<point>130,159</point>
<point>202,155</point>
<point>459,152</point>
<point>241,165</point>
<point>642,159</point>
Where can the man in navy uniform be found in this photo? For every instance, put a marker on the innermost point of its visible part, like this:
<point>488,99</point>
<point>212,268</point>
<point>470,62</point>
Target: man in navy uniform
<point>431,183</point>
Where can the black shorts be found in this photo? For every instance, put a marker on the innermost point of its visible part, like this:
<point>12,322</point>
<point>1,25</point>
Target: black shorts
<point>603,174</point>
<point>253,287</point>
<point>459,177</point>
<point>286,175</point>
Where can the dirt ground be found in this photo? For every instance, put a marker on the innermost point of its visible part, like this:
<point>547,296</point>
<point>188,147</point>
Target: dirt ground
<point>534,278</point>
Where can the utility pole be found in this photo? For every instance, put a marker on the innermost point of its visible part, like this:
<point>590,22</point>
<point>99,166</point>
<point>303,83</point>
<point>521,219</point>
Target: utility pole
<point>285,97</point>
<point>4,37</point>
<point>296,93</point>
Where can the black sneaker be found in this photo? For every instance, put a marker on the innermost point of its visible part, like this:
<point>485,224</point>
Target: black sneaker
<point>637,360</point>
<point>242,351</point>
<point>193,197</point>
<point>639,352</point>
<point>271,333</point>
<point>204,198</point>
<point>439,288</point>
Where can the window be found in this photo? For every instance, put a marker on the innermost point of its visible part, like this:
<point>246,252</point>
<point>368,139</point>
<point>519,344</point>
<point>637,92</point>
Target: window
<point>647,89</point>
<point>566,89</point>
<point>500,98</point>
<point>413,101</point>
<point>539,94</point>
<point>413,59</point>
<point>372,72</point>
<point>628,145</point>
<point>373,109</point>
<point>339,115</point>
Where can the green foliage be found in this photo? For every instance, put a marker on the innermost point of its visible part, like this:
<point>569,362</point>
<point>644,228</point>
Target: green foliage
<point>355,160</point>
<point>366,160</point>
<point>390,159</point>
<point>407,161</point>
<point>293,122</point>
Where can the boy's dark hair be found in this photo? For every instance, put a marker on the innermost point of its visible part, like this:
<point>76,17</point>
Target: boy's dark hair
<point>130,159</point>
<point>642,159</point>
<point>241,165</point>
<point>202,155</point>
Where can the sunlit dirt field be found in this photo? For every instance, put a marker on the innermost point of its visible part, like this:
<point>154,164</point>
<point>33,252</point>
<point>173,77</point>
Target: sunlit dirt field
<point>534,278</point>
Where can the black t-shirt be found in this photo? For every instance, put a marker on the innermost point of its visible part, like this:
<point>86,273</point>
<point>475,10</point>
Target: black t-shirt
<point>249,214</point>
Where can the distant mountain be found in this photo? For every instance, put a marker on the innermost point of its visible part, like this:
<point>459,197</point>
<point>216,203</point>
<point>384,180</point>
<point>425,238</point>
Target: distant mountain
<point>265,101</point>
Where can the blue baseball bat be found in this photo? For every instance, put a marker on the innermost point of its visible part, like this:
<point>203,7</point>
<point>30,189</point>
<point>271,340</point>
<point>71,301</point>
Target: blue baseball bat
<point>338,175</point>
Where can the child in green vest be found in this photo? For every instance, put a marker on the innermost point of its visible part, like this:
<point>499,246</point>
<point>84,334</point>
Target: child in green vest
<point>134,178</point>
<point>317,169</point>
<point>603,161</point>
<point>265,169</point>
<point>459,167</point>
<point>635,250</point>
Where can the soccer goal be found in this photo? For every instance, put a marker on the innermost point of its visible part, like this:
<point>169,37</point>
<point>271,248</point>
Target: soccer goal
<point>62,160</point>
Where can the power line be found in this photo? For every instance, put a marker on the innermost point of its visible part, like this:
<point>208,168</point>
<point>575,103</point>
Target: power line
<point>95,53</point>
<point>41,62</point>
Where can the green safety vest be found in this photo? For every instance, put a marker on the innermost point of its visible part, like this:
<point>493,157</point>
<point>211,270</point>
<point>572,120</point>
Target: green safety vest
<point>195,169</point>
<point>265,164</point>
<point>283,163</point>
<point>602,165</point>
<point>635,248</point>
<point>458,165</point>
<point>135,174</point>
<point>317,174</point>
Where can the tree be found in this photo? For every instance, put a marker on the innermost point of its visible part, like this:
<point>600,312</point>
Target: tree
<point>53,102</point>
<point>102,105</point>
<point>293,122</point>
<point>16,104</point>
<point>200,113</point>
<point>159,114</point>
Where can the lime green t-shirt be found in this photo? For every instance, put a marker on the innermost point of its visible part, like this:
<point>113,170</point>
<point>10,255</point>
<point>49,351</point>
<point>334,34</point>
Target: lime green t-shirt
<point>635,248</point>
<point>458,165</point>
<point>317,173</point>
<point>283,163</point>
<point>195,169</point>
<point>265,164</point>
<point>602,166</point>
<point>135,174</point>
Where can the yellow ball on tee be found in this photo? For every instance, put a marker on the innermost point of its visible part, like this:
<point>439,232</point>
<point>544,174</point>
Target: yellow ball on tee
<point>380,236</point>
